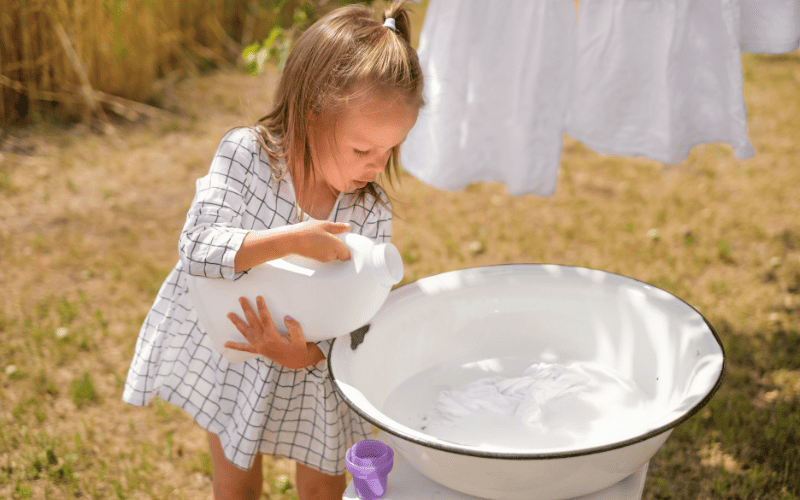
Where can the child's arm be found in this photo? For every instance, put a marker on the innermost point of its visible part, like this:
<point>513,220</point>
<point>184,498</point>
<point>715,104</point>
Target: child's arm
<point>213,231</point>
<point>313,239</point>
<point>213,243</point>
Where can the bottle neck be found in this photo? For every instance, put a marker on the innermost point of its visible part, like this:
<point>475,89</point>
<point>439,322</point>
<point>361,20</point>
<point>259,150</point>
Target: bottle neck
<point>386,264</point>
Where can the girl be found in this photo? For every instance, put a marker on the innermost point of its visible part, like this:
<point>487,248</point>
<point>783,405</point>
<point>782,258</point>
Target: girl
<point>349,95</point>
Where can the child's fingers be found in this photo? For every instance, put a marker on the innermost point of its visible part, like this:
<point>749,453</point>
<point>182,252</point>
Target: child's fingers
<point>295,331</point>
<point>340,248</point>
<point>241,346</point>
<point>337,227</point>
<point>252,319</point>
<point>240,325</point>
<point>343,252</point>
<point>263,312</point>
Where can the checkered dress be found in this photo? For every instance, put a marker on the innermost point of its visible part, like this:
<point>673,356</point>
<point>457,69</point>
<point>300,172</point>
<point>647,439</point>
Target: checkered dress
<point>257,406</point>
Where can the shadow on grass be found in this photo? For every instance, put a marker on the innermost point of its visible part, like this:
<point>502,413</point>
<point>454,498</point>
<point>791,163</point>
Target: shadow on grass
<point>746,443</point>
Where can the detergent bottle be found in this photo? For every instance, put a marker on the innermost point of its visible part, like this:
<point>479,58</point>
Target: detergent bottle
<point>328,299</point>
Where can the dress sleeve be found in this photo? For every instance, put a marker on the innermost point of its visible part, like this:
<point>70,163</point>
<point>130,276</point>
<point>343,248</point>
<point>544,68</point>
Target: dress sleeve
<point>213,231</point>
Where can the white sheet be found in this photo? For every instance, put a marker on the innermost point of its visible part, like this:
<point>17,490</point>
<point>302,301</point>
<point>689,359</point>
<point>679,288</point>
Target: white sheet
<point>497,89</point>
<point>770,26</point>
<point>655,78</point>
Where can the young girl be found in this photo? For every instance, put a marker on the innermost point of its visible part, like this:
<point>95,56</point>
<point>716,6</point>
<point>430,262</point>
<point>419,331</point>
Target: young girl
<point>349,95</point>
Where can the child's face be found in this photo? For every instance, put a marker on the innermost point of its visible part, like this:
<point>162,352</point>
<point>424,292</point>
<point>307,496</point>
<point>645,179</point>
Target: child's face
<point>364,138</point>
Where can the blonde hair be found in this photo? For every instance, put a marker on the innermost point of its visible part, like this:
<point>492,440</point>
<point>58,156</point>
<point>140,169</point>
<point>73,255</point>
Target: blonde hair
<point>346,50</point>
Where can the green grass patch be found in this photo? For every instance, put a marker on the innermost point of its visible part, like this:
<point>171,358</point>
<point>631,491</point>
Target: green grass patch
<point>67,311</point>
<point>82,391</point>
<point>6,184</point>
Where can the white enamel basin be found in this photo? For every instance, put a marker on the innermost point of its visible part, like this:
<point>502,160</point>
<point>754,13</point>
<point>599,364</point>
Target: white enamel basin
<point>556,313</point>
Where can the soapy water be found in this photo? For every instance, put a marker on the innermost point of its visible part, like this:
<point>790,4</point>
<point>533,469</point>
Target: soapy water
<point>523,406</point>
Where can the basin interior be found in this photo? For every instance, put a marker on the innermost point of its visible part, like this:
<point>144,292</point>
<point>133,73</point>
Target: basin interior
<point>554,314</point>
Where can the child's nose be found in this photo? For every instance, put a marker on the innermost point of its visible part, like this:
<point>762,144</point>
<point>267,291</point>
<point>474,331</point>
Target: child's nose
<point>382,161</point>
<point>375,168</point>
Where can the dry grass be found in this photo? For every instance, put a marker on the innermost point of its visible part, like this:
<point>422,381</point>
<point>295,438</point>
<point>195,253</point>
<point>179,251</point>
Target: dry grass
<point>87,56</point>
<point>89,228</point>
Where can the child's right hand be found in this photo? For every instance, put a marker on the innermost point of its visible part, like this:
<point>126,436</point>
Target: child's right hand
<point>317,240</point>
<point>314,239</point>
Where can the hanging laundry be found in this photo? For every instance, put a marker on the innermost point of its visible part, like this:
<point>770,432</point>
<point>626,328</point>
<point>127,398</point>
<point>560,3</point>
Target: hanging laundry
<point>496,92</point>
<point>655,78</point>
<point>770,26</point>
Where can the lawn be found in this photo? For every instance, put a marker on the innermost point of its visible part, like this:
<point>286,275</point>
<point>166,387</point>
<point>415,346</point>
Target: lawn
<point>89,227</point>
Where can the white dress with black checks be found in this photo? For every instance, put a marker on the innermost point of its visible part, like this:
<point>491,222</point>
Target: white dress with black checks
<point>257,406</point>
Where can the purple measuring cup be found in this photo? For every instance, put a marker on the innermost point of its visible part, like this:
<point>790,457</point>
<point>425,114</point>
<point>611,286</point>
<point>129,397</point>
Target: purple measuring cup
<point>369,462</point>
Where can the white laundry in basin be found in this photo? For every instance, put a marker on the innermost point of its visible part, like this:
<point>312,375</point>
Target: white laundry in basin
<point>515,403</point>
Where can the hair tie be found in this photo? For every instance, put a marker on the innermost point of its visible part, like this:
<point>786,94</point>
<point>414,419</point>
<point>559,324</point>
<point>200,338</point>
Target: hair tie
<point>389,23</point>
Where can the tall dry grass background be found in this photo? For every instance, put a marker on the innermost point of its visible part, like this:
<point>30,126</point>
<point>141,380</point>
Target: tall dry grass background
<point>90,56</point>
<point>89,225</point>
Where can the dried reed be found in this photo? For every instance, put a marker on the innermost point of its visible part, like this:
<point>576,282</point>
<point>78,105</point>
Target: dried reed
<point>84,56</point>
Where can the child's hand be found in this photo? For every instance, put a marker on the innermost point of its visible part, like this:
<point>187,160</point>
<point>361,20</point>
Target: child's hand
<point>264,338</point>
<point>317,240</point>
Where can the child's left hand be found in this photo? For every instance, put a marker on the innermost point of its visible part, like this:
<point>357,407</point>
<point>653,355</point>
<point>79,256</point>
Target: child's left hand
<point>265,339</point>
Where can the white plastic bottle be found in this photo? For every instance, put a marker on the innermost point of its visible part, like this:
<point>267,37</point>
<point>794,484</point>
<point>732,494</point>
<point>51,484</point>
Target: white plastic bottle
<point>327,299</point>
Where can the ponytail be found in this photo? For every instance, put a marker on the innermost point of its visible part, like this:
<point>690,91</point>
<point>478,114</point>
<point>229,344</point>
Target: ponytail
<point>402,23</point>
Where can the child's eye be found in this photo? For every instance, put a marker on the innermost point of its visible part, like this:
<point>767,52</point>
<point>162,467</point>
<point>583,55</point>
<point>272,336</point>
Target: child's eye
<point>361,153</point>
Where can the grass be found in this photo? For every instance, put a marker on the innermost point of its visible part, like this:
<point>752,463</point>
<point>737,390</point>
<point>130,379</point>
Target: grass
<point>89,227</point>
<point>117,47</point>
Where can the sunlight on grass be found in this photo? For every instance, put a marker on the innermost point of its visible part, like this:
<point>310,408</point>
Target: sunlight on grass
<point>86,251</point>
